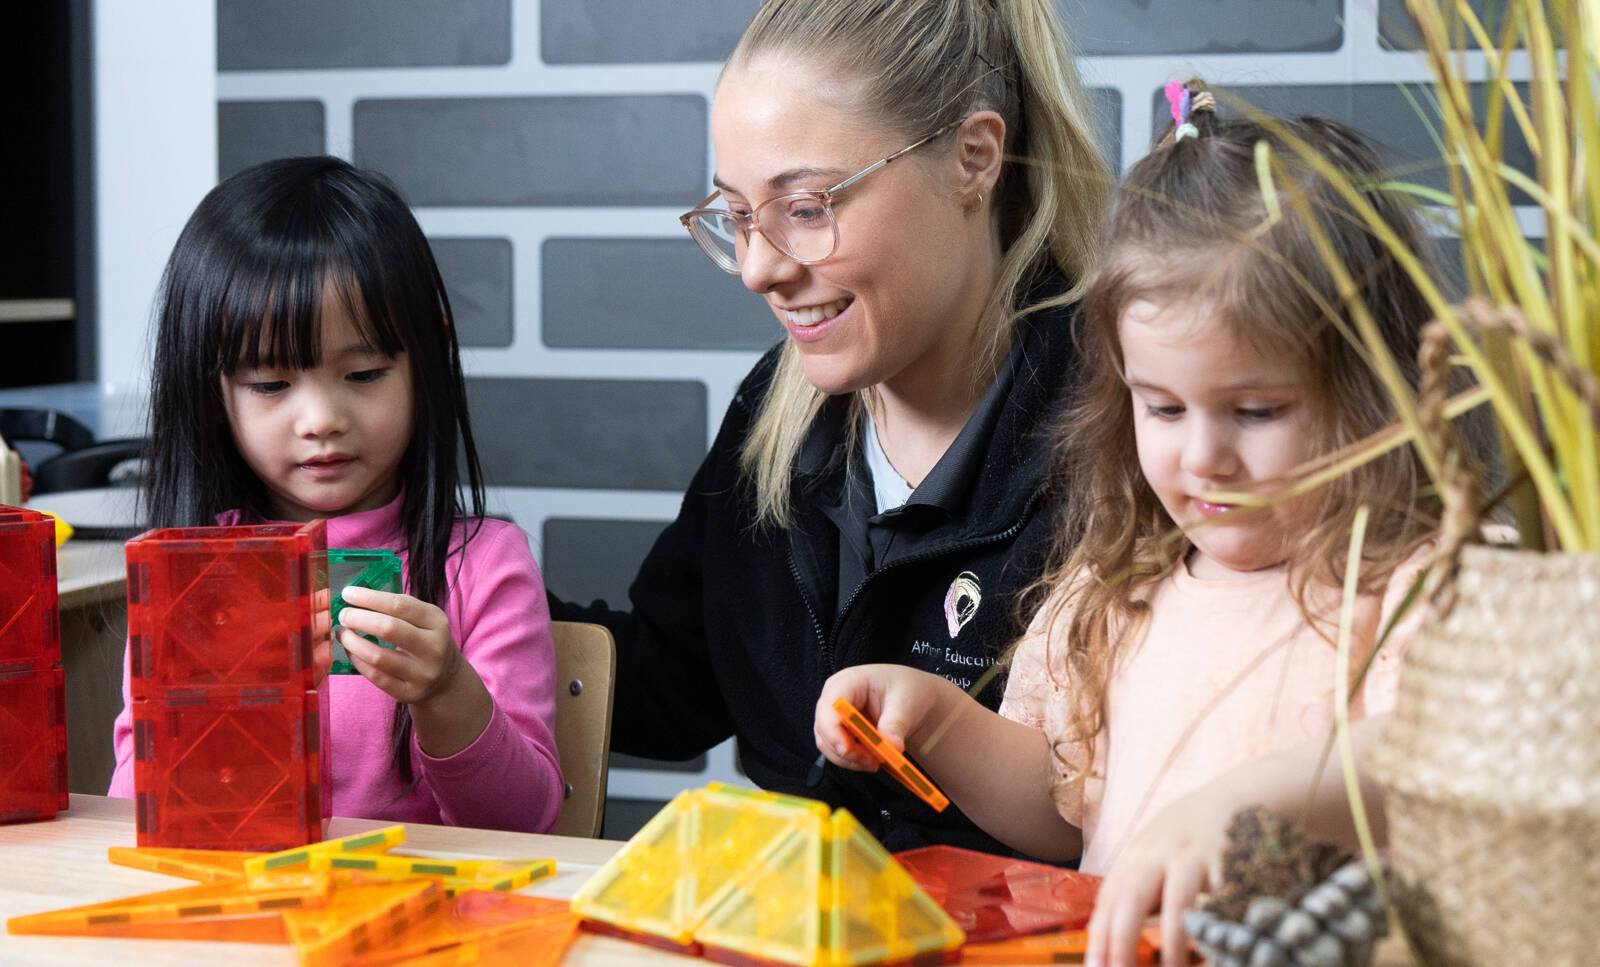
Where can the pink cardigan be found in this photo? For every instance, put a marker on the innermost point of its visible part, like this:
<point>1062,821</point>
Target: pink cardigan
<point>509,777</point>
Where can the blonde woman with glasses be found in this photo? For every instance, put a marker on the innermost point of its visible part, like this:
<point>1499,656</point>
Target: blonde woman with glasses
<point>913,188</point>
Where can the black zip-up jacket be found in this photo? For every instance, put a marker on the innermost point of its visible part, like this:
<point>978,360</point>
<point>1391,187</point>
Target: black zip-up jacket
<point>734,628</point>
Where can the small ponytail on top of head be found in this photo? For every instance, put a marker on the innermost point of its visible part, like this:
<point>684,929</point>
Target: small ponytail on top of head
<point>1194,111</point>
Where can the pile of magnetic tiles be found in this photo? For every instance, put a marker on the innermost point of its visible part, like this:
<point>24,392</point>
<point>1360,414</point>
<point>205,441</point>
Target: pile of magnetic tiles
<point>341,901</point>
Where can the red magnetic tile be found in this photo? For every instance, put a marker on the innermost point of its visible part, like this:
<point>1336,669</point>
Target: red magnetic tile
<point>29,623</point>
<point>227,606</point>
<point>239,768</point>
<point>995,898</point>
<point>319,777</point>
<point>33,742</point>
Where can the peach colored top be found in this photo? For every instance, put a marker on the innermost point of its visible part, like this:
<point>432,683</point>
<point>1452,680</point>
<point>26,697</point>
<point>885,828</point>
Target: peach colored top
<point>1226,671</point>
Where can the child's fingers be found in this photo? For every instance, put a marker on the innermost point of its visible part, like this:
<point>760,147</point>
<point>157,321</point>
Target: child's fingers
<point>1177,895</point>
<point>385,661</point>
<point>894,720</point>
<point>1125,898</point>
<point>411,610</point>
<point>1127,920</point>
<point>879,693</point>
<point>835,743</point>
<point>370,661</point>
<point>851,758</point>
<point>390,628</point>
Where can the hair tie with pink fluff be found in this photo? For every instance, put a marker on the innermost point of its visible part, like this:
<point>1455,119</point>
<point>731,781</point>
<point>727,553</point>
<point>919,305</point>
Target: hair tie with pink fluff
<point>1180,100</point>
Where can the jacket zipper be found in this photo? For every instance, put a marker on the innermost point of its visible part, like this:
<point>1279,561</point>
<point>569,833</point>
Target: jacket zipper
<point>816,624</point>
<point>844,611</point>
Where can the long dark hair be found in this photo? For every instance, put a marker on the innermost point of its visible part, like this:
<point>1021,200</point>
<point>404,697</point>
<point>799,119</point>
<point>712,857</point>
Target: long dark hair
<point>244,288</point>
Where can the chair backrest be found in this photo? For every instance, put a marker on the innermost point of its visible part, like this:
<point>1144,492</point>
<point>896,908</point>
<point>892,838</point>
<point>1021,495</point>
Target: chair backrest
<point>90,467</point>
<point>44,426</point>
<point>586,675</point>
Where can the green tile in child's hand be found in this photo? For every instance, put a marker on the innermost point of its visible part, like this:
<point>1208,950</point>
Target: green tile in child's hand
<point>347,568</point>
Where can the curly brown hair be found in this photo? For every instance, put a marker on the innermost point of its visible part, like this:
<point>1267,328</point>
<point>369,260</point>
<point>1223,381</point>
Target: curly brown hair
<point>1190,224</point>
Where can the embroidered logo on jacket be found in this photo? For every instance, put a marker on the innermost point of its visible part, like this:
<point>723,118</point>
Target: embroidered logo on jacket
<point>961,601</point>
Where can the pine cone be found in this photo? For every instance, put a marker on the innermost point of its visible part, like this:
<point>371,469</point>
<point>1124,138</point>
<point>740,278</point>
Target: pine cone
<point>1336,923</point>
<point>1269,856</point>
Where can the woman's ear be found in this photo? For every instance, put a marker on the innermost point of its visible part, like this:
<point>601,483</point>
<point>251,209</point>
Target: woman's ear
<point>980,151</point>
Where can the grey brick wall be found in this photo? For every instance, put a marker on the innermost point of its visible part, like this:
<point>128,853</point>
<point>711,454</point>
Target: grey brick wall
<point>548,146</point>
<point>676,298</point>
<point>1394,115</point>
<point>1143,27</point>
<point>627,434</point>
<point>477,274</point>
<point>250,132</point>
<point>289,34</point>
<point>536,151</point>
<point>1398,31</point>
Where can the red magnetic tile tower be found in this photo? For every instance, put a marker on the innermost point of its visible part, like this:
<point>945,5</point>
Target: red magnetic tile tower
<point>228,660</point>
<point>33,717</point>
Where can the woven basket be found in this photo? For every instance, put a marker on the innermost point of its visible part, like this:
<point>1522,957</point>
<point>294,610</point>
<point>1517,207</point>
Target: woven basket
<point>1492,766</point>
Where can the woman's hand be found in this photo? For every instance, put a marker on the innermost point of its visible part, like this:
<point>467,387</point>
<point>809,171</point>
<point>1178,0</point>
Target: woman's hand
<point>449,704</point>
<point>1169,862</point>
<point>899,700</point>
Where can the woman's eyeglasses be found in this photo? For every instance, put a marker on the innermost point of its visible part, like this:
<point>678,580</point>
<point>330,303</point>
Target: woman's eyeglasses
<point>800,224</point>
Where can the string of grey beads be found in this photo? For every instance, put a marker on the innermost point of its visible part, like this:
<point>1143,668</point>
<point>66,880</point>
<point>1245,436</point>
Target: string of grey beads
<point>1337,924</point>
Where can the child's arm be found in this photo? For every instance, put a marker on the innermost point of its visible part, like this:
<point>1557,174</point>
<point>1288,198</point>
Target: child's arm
<point>483,713</point>
<point>998,771</point>
<point>1178,854</point>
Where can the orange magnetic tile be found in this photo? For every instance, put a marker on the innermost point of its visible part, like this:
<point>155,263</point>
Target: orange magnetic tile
<point>534,947</point>
<point>286,894</point>
<point>1067,947</point>
<point>359,918</point>
<point>200,865</point>
<point>258,929</point>
<point>897,764</point>
<point>475,921</point>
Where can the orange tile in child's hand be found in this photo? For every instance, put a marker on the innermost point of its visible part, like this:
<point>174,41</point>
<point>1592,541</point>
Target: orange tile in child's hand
<point>898,765</point>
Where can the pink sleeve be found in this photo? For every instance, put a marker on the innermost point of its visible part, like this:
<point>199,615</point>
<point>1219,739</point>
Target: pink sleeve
<point>510,776</point>
<point>122,740</point>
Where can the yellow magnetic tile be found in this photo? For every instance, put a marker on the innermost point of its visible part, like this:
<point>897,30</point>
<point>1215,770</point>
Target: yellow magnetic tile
<point>378,839</point>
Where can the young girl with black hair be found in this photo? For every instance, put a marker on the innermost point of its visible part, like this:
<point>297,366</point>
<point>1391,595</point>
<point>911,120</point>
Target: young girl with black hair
<point>306,366</point>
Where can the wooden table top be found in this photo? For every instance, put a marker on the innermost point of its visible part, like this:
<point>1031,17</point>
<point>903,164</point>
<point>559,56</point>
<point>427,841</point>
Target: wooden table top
<point>46,866</point>
<point>63,863</point>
